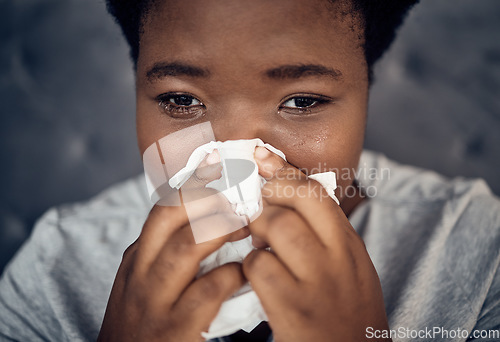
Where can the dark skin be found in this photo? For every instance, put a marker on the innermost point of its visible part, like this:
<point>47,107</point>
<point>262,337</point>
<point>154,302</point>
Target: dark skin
<point>293,74</point>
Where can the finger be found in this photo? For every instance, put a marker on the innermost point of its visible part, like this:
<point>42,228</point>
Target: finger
<point>210,168</point>
<point>163,222</point>
<point>289,187</point>
<point>207,171</point>
<point>311,201</point>
<point>270,279</point>
<point>204,202</point>
<point>178,261</point>
<point>201,301</point>
<point>125,269</point>
<point>214,226</point>
<point>268,162</point>
<point>258,242</point>
<point>295,244</point>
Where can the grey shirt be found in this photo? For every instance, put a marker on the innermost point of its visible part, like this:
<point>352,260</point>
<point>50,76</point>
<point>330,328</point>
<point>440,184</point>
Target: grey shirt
<point>435,244</point>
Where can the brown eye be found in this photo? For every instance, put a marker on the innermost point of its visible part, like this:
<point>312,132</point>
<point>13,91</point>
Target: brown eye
<point>182,106</point>
<point>182,100</point>
<point>305,104</point>
<point>300,102</point>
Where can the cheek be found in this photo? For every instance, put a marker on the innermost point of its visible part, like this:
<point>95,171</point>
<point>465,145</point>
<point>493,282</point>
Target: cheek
<point>145,136</point>
<point>148,125</point>
<point>326,152</point>
<point>329,146</point>
<point>335,145</point>
<point>152,125</point>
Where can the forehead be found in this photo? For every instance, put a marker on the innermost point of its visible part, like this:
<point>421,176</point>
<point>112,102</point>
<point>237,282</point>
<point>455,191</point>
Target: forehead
<point>251,32</point>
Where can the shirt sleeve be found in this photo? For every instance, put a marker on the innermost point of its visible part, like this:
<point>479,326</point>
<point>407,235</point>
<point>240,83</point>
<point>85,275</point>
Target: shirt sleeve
<point>25,313</point>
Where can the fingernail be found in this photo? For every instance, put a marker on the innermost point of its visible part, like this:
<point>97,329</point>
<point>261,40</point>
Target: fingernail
<point>213,158</point>
<point>262,153</point>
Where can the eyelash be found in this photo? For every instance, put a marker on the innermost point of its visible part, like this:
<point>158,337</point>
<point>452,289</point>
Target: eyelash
<point>180,111</point>
<point>317,99</point>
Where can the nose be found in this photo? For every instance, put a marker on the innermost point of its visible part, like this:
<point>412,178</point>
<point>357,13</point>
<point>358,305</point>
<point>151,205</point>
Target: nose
<point>234,130</point>
<point>239,123</point>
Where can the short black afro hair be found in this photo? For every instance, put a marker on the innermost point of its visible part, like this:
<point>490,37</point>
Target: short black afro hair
<point>381,19</point>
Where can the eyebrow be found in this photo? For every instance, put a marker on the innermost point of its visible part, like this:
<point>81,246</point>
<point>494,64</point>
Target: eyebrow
<point>162,69</point>
<point>302,70</point>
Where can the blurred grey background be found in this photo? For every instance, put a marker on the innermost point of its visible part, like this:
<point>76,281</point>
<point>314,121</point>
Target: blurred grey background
<point>67,102</point>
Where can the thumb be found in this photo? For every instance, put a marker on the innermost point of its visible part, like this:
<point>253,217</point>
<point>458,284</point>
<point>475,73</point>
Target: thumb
<point>273,166</point>
<point>268,162</point>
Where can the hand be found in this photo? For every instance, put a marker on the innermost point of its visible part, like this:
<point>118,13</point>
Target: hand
<point>155,296</point>
<point>317,283</point>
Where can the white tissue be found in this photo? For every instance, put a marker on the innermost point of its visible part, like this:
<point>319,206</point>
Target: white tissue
<point>246,196</point>
<point>243,310</point>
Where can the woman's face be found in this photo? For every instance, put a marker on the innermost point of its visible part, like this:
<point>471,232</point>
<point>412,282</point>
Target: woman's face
<point>289,72</point>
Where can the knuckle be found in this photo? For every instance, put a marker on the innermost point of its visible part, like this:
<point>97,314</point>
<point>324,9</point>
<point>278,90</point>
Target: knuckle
<point>354,237</point>
<point>281,219</point>
<point>305,314</point>
<point>207,173</point>
<point>155,214</point>
<point>193,303</point>
<point>257,267</point>
<point>162,270</point>
<point>129,252</point>
<point>209,288</point>
<point>127,267</point>
<point>163,213</point>
<point>155,211</point>
<point>255,261</point>
<point>198,180</point>
<point>184,249</point>
<point>304,243</point>
<point>273,167</point>
<point>135,289</point>
<point>280,170</point>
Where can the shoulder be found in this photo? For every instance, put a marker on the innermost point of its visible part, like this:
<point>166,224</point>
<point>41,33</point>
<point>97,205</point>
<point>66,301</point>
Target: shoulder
<point>402,185</point>
<point>440,234</point>
<point>108,220</point>
<point>462,210</point>
<point>447,228</point>
<point>92,234</point>
<point>396,181</point>
<point>57,285</point>
<point>129,196</point>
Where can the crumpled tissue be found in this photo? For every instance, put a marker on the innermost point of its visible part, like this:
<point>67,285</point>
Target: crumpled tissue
<point>243,310</point>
